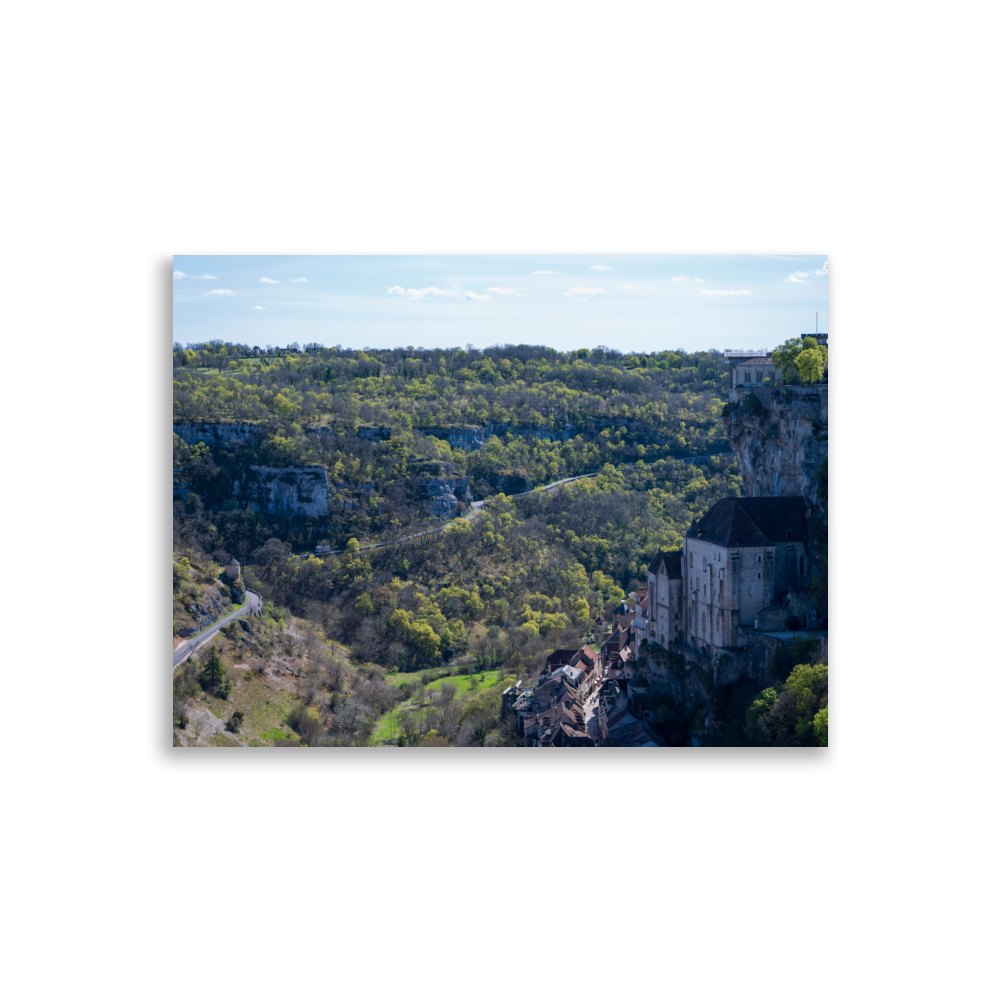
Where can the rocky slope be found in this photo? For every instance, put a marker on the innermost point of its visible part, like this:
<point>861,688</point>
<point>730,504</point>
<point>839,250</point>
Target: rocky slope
<point>779,437</point>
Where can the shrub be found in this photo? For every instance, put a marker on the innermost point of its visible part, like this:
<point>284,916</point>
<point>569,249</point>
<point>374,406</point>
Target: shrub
<point>235,721</point>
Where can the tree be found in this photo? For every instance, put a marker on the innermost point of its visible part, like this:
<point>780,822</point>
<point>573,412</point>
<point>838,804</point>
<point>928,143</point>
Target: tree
<point>821,725</point>
<point>786,356</point>
<point>213,677</point>
<point>235,721</point>
<point>810,365</point>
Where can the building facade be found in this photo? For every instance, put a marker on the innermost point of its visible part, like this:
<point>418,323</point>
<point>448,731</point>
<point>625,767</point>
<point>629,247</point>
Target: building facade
<point>746,554</point>
<point>663,595</point>
<point>747,369</point>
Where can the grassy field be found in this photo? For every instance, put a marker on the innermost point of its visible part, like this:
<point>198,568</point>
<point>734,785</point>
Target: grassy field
<point>388,725</point>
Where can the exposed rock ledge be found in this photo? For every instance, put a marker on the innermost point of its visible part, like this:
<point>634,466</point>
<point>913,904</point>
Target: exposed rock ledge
<point>779,437</point>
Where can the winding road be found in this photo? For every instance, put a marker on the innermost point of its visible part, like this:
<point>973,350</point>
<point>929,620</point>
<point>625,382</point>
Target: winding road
<point>476,505</point>
<point>254,605</point>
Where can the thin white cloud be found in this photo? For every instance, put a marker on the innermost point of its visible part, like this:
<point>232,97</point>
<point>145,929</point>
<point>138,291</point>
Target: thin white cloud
<point>546,272</point>
<point>586,291</point>
<point>681,277</point>
<point>503,291</point>
<point>478,298</point>
<point>181,274</point>
<point>269,281</point>
<point>630,286</point>
<point>295,280</point>
<point>699,281</point>
<point>419,293</point>
<point>600,267</point>
<point>801,277</point>
<point>723,291</point>
<point>208,277</point>
<point>221,291</point>
<point>259,309</point>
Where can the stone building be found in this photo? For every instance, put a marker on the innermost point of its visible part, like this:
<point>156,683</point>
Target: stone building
<point>664,620</point>
<point>747,369</point>
<point>232,569</point>
<point>745,555</point>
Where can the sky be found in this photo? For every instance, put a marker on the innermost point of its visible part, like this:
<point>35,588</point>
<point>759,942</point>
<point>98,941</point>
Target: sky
<point>632,303</point>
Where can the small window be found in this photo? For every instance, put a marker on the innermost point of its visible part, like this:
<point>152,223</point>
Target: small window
<point>750,590</point>
<point>802,565</point>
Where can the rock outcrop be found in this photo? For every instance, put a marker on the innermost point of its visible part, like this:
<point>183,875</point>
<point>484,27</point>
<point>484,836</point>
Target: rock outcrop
<point>779,437</point>
<point>291,491</point>
<point>444,495</point>
<point>224,433</point>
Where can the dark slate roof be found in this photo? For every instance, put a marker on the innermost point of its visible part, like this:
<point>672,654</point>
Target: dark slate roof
<point>671,562</point>
<point>559,657</point>
<point>753,521</point>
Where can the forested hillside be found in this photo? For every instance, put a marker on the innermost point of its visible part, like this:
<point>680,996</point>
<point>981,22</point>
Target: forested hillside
<point>491,592</point>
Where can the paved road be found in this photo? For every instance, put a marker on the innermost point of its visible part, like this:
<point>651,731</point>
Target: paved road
<point>254,605</point>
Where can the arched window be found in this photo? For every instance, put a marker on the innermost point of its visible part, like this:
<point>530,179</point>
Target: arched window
<point>703,623</point>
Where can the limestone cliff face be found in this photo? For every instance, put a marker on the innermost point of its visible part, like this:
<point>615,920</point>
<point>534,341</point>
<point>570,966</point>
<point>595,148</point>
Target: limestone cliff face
<point>779,437</point>
<point>302,491</point>
<point>444,495</point>
<point>216,434</point>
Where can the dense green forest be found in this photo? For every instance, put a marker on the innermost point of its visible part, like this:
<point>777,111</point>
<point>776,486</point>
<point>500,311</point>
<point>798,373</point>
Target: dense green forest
<point>380,421</point>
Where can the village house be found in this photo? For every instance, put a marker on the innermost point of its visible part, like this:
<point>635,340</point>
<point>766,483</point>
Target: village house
<point>748,368</point>
<point>622,616</point>
<point>640,619</point>
<point>664,598</point>
<point>584,660</point>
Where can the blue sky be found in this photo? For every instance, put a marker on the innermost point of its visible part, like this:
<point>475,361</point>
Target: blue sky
<point>632,303</point>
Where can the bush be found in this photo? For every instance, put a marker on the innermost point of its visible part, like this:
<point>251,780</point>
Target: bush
<point>235,721</point>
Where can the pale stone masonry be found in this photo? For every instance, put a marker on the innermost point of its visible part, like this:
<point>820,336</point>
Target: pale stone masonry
<point>745,555</point>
